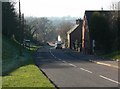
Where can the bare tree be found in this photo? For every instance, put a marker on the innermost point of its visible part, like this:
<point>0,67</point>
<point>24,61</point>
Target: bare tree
<point>42,29</point>
<point>63,28</point>
<point>114,6</point>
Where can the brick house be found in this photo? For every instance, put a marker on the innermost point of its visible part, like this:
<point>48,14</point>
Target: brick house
<point>74,35</point>
<point>80,32</point>
<point>86,47</point>
<point>87,44</point>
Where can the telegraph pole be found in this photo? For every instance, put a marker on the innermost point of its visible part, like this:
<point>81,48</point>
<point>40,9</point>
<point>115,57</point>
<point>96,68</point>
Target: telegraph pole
<point>19,13</point>
<point>20,28</point>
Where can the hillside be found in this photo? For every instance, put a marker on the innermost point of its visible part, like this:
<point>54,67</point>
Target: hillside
<point>10,55</point>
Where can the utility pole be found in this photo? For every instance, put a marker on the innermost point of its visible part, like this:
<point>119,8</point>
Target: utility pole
<point>19,13</point>
<point>20,27</point>
<point>22,30</point>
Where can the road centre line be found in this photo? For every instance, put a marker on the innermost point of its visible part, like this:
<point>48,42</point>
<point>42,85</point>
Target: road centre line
<point>51,53</point>
<point>90,71</point>
<point>85,70</point>
<point>54,55</point>
<point>109,79</point>
<point>69,63</point>
<point>72,65</point>
<point>61,59</point>
<point>64,61</point>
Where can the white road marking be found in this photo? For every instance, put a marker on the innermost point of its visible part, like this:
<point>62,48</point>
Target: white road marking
<point>64,61</point>
<point>72,65</point>
<point>88,70</point>
<point>61,59</point>
<point>54,56</point>
<point>109,79</point>
<point>85,70</point>
<point>52,53</point>
<point>105,64</point>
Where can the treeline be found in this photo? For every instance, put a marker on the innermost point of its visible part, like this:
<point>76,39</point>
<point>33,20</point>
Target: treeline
<point>16,26</point>
<point>105,30</point>
<point>10,20</point>
<point>45,29</point>
<point>40,29</point>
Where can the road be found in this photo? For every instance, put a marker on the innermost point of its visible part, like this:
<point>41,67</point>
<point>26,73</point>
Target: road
<point>66,70</point>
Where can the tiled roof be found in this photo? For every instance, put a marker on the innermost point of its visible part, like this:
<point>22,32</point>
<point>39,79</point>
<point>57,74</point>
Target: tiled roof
<point>71,30</point>
<point>89,13</point>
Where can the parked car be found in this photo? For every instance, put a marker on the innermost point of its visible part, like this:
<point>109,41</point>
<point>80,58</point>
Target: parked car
<point>58,46</point>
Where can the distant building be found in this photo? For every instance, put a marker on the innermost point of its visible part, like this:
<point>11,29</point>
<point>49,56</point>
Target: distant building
<point>74,35</point>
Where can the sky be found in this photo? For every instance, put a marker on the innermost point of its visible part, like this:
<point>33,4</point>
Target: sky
<point>60,8</point>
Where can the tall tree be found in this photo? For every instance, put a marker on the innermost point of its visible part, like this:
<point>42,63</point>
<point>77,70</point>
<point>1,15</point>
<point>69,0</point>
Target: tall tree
<point>114,23</point>
<point>9,19</point>
<point>41,28</point>
<point>99,31</point>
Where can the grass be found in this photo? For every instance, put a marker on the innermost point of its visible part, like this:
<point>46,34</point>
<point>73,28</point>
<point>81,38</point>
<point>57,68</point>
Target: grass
<point>33,47</point>
<point>113,55</point>
<point>26,76</point>
<point>20,71</point>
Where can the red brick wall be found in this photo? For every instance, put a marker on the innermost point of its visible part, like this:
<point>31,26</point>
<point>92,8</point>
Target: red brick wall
<point>75,35</point>
<point>85,37</point>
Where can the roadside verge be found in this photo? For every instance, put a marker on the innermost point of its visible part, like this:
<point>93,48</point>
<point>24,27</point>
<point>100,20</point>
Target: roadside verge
<point>93,58</point>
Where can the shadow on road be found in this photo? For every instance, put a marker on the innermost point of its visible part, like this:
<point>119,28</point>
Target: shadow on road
<point>48,57</point>
<point>56,58</point>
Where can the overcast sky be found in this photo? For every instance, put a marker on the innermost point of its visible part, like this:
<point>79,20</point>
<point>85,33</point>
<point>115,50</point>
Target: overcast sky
<point>60,8</point>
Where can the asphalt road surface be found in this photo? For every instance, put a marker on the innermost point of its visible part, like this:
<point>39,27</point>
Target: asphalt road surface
<point>66,70</point>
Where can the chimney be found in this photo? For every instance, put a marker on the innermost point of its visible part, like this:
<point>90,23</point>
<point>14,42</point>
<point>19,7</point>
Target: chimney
<point>78,21</point>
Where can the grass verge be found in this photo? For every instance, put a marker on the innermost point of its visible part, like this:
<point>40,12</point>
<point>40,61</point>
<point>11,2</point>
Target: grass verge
<point>114,55</point>
<point>20,71</point>
<point>26,76</point>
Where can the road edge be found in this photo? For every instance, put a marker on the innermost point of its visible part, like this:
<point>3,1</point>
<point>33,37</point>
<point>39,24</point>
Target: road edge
<point>105,64</point>
<point>49,79</point>
<point>44,72</point>
<point>97,62</point>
